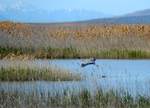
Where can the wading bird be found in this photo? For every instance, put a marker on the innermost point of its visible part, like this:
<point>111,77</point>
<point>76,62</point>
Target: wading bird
<point>88,62</point>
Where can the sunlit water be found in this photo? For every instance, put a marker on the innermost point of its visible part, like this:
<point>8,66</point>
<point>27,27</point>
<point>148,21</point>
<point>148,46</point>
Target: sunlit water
<point>131,76</point>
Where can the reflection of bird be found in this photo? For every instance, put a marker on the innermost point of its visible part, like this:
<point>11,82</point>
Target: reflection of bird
<point>89,62</point>
<point>103,76</point>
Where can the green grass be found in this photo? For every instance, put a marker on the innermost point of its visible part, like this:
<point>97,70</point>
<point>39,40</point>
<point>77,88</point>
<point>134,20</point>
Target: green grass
<point>83,99</point>
<point>33,74</point>
<point>124,54</point>
<point>71,52</point>
<point>49,52</point>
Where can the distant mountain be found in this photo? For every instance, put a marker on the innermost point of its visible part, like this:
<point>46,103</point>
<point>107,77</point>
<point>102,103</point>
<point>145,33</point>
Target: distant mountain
<point>122,20</point>
<point>139,17</point>
<point>74,15</point>
<point>36,15</point>
<point>28,14</point>
<point>145,12</point>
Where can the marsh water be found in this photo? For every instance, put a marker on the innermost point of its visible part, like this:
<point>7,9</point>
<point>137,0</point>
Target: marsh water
<point>132,76</point>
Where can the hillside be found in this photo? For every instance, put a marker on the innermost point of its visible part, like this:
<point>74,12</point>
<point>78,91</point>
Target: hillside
<point>74,16</point>
<point>138,17</point>
<point>121,20</point>
<point>145,12</point>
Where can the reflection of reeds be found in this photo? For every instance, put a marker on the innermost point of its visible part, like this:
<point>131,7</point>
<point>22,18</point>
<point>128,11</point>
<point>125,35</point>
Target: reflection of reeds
<point>33,74</point>
<point>83,99</point>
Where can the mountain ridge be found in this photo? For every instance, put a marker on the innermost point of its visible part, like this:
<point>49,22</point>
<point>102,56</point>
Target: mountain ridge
<point>144,12</point>
<point>50,16</point>
<point>138,17</point>
<point>74,16</point>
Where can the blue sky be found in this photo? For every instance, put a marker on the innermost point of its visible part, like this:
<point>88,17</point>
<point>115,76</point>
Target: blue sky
<point>114,7</point>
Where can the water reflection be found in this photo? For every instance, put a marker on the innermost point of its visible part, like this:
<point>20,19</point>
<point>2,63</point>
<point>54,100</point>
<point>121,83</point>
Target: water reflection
<point>131,76</point>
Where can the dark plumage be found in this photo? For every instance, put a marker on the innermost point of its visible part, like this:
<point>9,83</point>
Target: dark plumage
<point>89,62</point>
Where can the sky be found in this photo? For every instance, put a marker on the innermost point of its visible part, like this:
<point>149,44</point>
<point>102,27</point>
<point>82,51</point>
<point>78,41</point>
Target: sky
<point>114,7</point>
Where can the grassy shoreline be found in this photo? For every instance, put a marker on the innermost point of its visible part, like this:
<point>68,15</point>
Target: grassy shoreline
<point>70,52</point>
<point>83,99</point>
<point>34,74</point>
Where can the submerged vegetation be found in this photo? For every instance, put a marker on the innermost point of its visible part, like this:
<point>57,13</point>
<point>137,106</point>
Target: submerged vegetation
<point>74,40</point>
<point>34,74</point>
<point>68,99</point>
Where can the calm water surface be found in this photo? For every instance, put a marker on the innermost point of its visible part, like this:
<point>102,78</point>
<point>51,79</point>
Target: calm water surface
<point>131,76</point>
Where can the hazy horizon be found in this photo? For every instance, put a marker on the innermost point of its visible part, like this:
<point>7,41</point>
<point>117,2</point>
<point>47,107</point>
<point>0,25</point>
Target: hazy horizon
<point>113,7</point>
<point>49,10</point>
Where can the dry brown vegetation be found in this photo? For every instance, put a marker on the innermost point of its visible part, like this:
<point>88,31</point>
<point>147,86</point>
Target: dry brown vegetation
<point>15,29</point>
<point>82,37</point>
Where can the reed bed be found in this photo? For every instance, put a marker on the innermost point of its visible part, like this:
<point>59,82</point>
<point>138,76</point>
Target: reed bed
<point>70,52</point>
<point>74,40</point>
<point>34,74</point>
<point>83,99</point>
